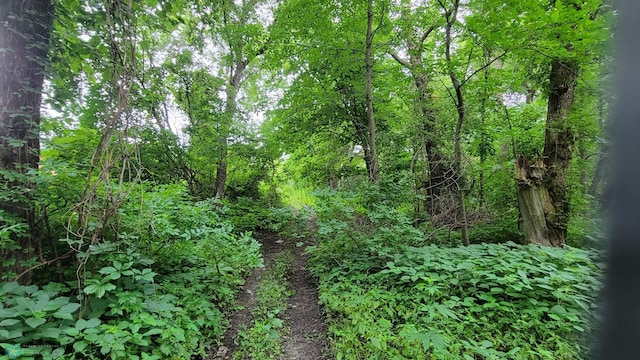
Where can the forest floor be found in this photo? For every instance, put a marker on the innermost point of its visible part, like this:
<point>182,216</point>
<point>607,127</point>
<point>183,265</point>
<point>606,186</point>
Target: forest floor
<point>306,329</point>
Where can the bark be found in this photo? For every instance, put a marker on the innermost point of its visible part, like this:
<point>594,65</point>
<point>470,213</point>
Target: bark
<point>374,171</point>
<point>451,17</point>
<point>542,194</point>
<point>225,128</point>
<point>439,182</point>
<point>25,27</point>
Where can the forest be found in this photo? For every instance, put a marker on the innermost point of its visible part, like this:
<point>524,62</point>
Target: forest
<point>303,179</point>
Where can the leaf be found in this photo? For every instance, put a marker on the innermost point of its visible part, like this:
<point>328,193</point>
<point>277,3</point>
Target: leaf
<point>107,270</point>
<point>65,311</point>
<point>92,323</point>
<point>376,343</point>
<point>91,289</point>
<point>9,288</point>
<point>72,332</point>
<point>513,351</point>
<point>79,346</point>
<point>427,339</point>
<point>52,333</point>
<point>558,309</point>
<point>153,332</point>
<point>35,322</point>
<point>57,353</point>
<point>81,324</point>
<point>8,322</point>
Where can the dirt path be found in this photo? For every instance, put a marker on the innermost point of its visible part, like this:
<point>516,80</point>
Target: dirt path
<point>306,340</point>
<point>304,315</point>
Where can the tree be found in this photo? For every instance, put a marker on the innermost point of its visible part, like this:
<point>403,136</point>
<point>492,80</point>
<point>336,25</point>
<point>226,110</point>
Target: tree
<point>374,170</point>
<point>541,181</point>
<point>243,36</point>
<point>25,27</point>
<point>334,91</point>
<point>415,34</point>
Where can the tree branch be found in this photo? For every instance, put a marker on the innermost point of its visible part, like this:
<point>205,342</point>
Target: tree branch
<point>426,34</point>
<point>400,60</point>
<point>484,67</point>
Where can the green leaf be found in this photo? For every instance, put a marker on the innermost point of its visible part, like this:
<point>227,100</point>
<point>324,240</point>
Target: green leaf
<point>79,346</point>
<point>8,322</point>
<point>52,333</point>
<point>65,311</point>
<point>91,289</point>
<point>35,322</point>
<point>92,323</point>
<point>9,288</point>
<point>558,309</point>
<point>72,331</point>
<point>58,353</point>
<point>154,331</point>
<point>81,324</point>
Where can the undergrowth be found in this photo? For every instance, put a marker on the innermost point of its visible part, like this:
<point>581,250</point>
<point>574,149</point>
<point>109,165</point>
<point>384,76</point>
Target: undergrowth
<point>157,292</point>
<point>390,295</point>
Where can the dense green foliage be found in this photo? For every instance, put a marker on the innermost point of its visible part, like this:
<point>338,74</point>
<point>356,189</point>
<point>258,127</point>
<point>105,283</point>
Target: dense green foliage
<point>389,295</point>
<point>160,292</point>
<point>172,130</point>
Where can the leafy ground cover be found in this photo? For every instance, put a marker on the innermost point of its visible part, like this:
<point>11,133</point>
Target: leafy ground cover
<point>389,295</point>
<point>160,293</point>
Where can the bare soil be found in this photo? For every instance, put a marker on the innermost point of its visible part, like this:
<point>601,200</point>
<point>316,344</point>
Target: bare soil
<point>304,316</point>
<point>306,340</point>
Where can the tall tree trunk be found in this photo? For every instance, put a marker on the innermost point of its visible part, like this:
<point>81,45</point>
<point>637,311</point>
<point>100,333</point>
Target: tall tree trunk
<point>438,181</point>
<point>223,145</point>
<point>542,194</point>
<point>231,106</point>
<point>374,171</point>
<point>25,26</point>
<point>451,16</point>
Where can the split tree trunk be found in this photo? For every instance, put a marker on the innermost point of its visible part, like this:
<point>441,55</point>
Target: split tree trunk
<point>542,194</point>
<point>25,26</point>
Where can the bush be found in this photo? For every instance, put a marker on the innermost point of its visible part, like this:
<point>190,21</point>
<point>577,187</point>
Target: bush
<point>388,296</point>
<point>484,301</point>
<point>156,291</point>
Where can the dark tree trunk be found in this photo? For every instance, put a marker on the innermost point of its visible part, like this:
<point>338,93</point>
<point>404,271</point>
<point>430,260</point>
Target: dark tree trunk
<point>374,171</point>
<point>542,192</point>
<point>438,182</point>
<point>25,26</point>
<point>231,106</point>
<point>451,16</point>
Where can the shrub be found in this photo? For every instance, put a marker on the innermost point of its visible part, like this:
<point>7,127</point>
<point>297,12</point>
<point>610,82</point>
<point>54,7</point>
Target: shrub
<point>156,291</point>
<point>483,301</point>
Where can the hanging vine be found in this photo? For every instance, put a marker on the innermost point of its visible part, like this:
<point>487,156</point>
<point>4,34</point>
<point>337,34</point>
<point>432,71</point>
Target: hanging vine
<point>114,169</point>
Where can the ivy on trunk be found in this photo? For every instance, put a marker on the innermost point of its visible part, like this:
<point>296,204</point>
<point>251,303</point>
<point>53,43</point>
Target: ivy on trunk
<point>542,193</point>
